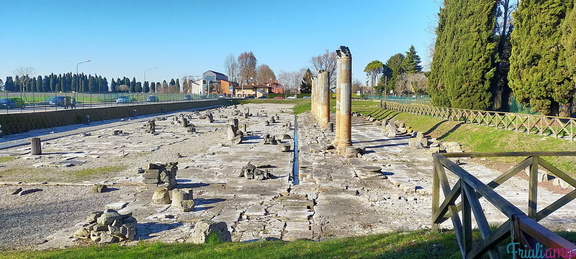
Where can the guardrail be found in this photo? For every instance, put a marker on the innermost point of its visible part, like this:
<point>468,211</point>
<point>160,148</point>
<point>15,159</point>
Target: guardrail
<point>558,127</point>
<point>524,229</point>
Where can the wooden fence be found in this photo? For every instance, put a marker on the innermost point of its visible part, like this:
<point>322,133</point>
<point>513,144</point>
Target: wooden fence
<point>558,127</point>
<point>523,228</point>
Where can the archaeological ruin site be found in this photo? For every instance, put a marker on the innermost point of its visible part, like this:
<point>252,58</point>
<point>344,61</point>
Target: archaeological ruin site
<point>246,172</point>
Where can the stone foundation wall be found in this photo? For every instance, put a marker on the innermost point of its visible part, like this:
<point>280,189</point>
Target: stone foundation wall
<point>22,122</point>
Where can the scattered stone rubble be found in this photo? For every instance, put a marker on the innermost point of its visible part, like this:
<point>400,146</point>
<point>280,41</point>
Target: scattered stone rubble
<point>161,174</point>
<point>250,171</point>
<point>107,227</point>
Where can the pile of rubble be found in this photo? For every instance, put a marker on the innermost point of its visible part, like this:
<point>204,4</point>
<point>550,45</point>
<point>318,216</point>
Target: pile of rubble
<point>157,174</point>
<point>107,227</point>
<point>250,171</point>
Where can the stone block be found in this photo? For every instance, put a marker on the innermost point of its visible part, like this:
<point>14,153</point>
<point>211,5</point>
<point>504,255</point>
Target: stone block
<point>108,217</point>
<point>187,205</point>
<point>204,228</point>
<point>161,196</point>
<point>99,188</point>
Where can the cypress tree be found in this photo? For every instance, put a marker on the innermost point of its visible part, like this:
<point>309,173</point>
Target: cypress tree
<point>146,88</point>
<point>539,74</point>
<point>133,85</point>
<point>395,63</point>
<point>569,42</point>
<point>46,84</point>
<point>38,84</point>
<point>464,55</point>
<point>9,84</point>
<point>113,86</point>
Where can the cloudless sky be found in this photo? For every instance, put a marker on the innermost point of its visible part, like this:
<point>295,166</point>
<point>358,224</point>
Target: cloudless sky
<point>189,37</point>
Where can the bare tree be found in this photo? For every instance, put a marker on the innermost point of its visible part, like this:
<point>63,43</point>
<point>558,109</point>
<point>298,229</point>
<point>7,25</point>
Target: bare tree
<point>265,75</point>
<point>247,67</point>
<point>291,80</point>
<point>326,62</point>
<point>357,86</point>
<point>231,66</point>
<point>414,83</point>
<point>24,74</point>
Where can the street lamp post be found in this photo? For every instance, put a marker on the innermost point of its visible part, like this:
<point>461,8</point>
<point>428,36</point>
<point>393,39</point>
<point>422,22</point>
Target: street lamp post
<point>78,78</point>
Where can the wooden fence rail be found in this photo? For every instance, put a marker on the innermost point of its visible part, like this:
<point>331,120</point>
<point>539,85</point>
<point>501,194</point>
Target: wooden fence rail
<point>524,229</point>
<point>558,127</point>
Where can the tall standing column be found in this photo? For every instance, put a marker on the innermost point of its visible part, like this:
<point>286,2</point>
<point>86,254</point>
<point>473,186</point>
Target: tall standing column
<point>337,113</point>
<point>323,98</point>
<point>345,128</point>
<point>314,97</point>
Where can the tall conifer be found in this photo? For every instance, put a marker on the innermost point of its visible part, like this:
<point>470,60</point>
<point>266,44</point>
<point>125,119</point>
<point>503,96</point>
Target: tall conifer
<point>463,64</point>
<point>538,71</point>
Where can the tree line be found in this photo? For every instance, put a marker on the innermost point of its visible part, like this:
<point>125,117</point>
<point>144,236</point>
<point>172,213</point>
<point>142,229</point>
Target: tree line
<point>487,52</point>
<point>401,74</point>
<point>83,83</point>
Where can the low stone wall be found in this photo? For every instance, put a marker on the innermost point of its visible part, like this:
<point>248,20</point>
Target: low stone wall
<point>22,122</point>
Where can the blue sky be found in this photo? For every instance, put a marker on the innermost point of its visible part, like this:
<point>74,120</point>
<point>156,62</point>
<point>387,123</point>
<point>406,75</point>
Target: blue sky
<point>127,37</point>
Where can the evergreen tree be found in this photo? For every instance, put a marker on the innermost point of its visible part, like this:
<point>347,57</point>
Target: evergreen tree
<point>38,87</point>
<point>306,85</point>
<point>113,86</point>
<point>411,62</point>
<point>395,63</point>
<point>92,84</point>
<point>9,84</point>
<point>52,83</point>
<point>46,84</point>
<point>569,42</point>
<point>373,70</point>
<point>538,71</point>
<point>146,88</point>
<point>133,85</point>
<point>464,55</point>
<point>59,83</point>
<point>177,85</point>
<point>152,87</point>
<point>103,84</point>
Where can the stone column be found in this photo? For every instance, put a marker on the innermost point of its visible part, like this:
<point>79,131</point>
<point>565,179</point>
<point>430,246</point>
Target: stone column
<point>337,113</point>
<point>313,98</point>
<point>345,78</point>
<point>35,146</point>
<point>323,97</point>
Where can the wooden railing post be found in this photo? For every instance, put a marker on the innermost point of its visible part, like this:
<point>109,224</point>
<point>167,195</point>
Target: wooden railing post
<point>435,192</point>
<point>533,188</point>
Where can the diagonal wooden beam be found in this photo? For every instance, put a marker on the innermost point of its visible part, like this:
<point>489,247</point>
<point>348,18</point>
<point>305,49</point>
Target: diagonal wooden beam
<point>449,200</point>
<point>555,205</point>
<point>481,220</point>
<point>497,236</point>
<point>510,173</point>
<point>557,172</point>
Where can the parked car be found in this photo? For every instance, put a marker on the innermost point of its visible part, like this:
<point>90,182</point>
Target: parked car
<point>152,98</point>
<point>187,97</point>
<point>278,97</point>
<point>19,102</point>
<point>123,99</point>
<point>57,101</point>
<point>291,97</point>
<point>9,103</point>
<point>306,97</point>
